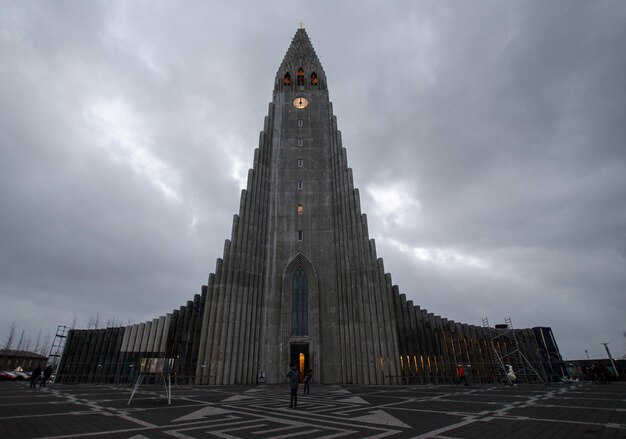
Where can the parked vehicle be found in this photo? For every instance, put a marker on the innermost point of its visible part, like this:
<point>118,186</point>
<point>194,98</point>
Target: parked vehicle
<point>14,376</point>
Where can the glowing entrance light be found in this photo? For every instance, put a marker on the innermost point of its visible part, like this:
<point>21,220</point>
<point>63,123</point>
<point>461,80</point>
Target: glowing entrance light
<point>301,361</point>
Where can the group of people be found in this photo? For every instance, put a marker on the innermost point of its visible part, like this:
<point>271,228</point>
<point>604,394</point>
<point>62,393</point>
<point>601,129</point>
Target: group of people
<point>294,382</point>
<point>40,376</point>
<point>511,377</point>
<point>599,374</point>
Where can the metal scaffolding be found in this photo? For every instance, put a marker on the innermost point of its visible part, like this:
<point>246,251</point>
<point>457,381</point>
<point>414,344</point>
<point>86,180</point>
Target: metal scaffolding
<point>505,351</point>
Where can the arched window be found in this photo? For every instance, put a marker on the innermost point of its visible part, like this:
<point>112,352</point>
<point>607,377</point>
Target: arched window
<point>314,80</point>
<point>300,76</point>
<point>299,303</point>
<point>287,79</point>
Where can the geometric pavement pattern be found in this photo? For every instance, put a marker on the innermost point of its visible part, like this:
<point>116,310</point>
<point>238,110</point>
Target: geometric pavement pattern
<point>581,410</point>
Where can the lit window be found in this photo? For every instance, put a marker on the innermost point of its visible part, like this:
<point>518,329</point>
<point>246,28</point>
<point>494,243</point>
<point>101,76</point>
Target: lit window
<point>314,79</point>
<point>300,209</point>
<point>300,163</point>
<point>287,79</point>
<point>300,184</point>
<point>300,142</point>
<point>300,235</point>
<point>300,122</point>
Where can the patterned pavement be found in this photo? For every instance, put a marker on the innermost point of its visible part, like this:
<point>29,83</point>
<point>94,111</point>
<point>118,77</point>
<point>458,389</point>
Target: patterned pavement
<point>444,412</point>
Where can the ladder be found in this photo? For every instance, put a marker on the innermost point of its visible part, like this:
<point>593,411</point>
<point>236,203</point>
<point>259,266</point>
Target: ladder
<point>56,349</point>
<point>497,364</point>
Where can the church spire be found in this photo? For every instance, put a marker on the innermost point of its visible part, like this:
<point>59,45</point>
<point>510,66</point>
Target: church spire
<point>300,69</point>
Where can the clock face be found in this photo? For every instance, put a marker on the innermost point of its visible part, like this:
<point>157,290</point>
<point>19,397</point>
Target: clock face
<point>300,103</point>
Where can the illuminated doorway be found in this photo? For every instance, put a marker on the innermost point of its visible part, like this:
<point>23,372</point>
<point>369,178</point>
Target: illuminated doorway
<point>300,357</point>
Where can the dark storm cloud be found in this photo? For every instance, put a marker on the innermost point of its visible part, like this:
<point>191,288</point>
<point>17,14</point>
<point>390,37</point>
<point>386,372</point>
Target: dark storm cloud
<point>487,140</point>
<point>517,160</point>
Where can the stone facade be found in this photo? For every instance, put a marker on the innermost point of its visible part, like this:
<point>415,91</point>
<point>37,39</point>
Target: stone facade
<point>300,280</point>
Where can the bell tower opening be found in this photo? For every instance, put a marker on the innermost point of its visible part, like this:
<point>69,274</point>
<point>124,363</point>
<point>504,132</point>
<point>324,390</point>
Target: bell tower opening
<point>300,76</point>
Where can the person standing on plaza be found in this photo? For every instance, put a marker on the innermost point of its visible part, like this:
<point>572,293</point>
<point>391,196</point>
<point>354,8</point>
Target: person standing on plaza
<point>294,380</point>
<point>307,382</point>
<point>34,377</point>
<point>47,372</point>
<point>462,377</point>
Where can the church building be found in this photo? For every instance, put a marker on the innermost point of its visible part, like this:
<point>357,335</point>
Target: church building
<point>300,280</point>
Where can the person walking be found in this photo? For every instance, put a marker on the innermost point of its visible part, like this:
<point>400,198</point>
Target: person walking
<point>294,380</point>
<point>597,376</point>
<point>604,374</point>
<point>34,377</point>
<point>307,382</point>
<point>47,372</point>
<point>462,377</point>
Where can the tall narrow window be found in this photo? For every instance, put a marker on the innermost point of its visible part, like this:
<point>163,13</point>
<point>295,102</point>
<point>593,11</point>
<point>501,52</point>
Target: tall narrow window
<point>299,303</point>
<point>300,163</point>
<point>299,184</point>
<point>287,79</point>
<point>300,76</point>
<point>300,235</point>
<point>314,80</point>
<point>300,209</point>
<point>300,122</point>
<point>300,142</point>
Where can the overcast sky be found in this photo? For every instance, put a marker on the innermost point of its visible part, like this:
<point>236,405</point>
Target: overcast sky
<point>488,141</point>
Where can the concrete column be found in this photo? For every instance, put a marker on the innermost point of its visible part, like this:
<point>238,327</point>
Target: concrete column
<point>208,324</point>
<point>164,336</point>
<point>136,339</point>
<point>221,316</point>
<point>216,309</point>
<point>151,337</point>
<point>144,338</point>
<point>159,336</point>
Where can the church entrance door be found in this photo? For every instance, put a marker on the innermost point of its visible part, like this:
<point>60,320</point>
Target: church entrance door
<point>300,357</point>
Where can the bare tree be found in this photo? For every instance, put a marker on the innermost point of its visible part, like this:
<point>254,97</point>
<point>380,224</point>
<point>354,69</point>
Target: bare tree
<point>20,343</point>
<point>94,321</point>
<point>74,322</point>
<point>8,342</point>
<point>45,347</point>
<point>28,343</point>
<point>38,342</point>
<point>114,323</point>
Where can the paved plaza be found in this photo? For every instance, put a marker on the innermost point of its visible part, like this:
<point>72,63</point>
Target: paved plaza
<point>527,411</point>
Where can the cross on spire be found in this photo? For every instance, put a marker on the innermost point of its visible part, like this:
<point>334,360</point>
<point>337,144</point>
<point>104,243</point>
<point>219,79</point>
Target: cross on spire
<point>301,25</point>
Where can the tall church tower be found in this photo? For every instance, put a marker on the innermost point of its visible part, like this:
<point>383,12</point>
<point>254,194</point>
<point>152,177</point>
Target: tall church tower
<point>299,281</point>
